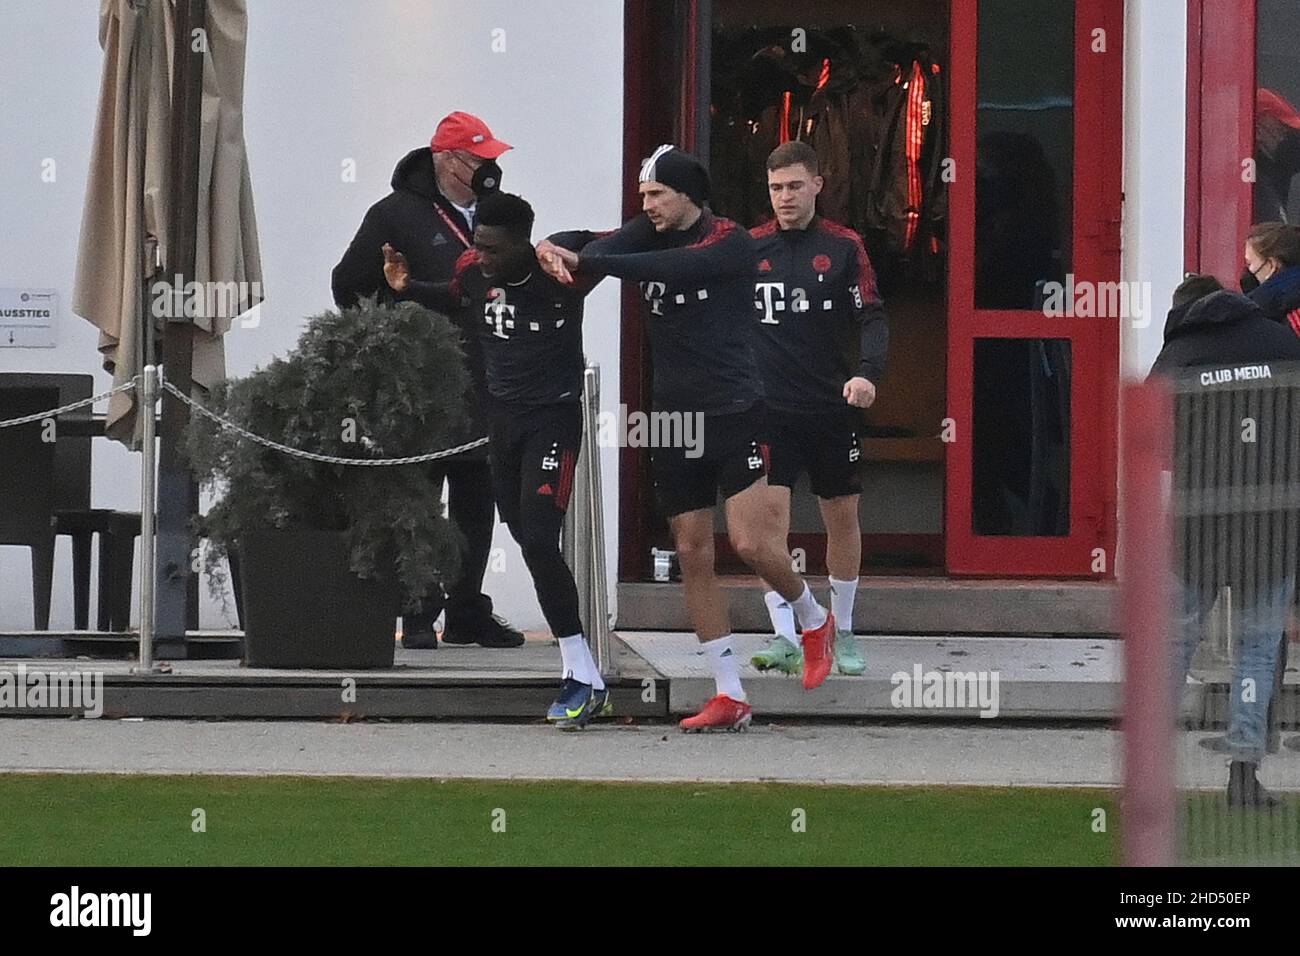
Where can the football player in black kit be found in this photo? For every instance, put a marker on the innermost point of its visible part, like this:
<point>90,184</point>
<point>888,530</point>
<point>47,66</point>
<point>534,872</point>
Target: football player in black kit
<point>696,272</point>
<point>530,329</point>
<point>815,293</point>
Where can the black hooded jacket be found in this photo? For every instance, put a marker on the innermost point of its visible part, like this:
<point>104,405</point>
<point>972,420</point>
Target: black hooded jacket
<point>409,219</point>
<point>419,222</point>
<point>1221,351</point>
<point>1222,329</point>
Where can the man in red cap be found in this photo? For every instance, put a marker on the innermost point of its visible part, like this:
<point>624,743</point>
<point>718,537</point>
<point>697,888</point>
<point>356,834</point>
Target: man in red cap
<point>427,222</point>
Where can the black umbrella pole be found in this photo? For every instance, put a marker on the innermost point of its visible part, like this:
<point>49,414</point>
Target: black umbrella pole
<point>178,497</point>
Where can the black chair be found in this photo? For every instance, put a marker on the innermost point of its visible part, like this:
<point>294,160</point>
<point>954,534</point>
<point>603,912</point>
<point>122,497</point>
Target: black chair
<point>27,492</point>
<point>45,492</point>
<point>117,532</point>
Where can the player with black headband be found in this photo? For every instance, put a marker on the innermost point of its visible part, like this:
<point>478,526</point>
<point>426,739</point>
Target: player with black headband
<point>696,272</point>
<point>530,329</point>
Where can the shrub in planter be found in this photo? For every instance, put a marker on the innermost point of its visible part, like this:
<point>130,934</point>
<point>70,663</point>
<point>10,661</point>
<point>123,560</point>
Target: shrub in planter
<point>367,382</point>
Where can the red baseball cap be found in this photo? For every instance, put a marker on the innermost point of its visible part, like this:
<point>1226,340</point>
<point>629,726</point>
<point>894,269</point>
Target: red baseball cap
<point>465,131</point>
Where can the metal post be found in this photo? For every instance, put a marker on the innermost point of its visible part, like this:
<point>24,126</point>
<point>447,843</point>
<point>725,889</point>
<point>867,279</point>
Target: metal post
<point>178,496</point>
<point>584,532</point>
<point>575,531</point>
<point>1145,553</point>
<point>599,623</point>
<point>575,536</point>
<point>147,401</point>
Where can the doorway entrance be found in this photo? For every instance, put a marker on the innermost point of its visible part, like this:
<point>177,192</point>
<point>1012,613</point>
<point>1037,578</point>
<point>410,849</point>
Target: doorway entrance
<point>976,149</point>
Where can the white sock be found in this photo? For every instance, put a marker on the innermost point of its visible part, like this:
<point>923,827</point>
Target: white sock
<point>578,662</point>
<point>842,595</point>
<point>811,614</point>
<point>782,615</point>
<point>726,671</point>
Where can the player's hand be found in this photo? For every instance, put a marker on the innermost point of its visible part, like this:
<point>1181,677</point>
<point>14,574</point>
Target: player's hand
<point>396,269</point>
<point>859,392</point>
<point>556,261</point>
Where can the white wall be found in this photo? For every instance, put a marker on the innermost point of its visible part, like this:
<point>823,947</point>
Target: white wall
<point>327,81</point>
<point>330,80</point>
<point>1155,134</point>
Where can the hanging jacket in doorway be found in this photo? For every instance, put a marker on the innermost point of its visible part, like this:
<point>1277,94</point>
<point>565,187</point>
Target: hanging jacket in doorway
<point>907,202</point>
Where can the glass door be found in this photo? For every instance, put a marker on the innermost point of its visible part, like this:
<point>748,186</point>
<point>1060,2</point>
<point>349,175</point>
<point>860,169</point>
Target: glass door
<point>1035,302</point>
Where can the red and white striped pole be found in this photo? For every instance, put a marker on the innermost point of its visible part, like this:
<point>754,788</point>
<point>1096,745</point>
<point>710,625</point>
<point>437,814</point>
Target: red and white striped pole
<point>1144,563</point>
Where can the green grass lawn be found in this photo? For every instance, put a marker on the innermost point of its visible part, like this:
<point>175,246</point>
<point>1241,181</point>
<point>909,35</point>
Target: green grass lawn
<point>106,820</point>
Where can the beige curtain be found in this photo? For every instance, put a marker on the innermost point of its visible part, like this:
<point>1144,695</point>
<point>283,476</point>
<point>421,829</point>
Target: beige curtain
<point>129,189</point>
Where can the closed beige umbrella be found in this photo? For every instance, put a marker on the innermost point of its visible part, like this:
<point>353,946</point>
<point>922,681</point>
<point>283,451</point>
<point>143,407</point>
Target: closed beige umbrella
<point>129,190</point>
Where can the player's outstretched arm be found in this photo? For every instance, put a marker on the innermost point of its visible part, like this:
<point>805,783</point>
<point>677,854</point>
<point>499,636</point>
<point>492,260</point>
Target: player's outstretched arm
<point>558,256</point>
<point>432,295</point>
<point>731,254</point>
<point>446,297</point>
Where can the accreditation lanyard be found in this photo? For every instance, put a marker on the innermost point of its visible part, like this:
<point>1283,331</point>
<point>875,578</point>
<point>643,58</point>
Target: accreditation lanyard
<point>451,224</point>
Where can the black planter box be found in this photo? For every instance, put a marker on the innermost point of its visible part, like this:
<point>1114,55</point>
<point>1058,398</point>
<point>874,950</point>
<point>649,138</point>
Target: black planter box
<point>304,607</point>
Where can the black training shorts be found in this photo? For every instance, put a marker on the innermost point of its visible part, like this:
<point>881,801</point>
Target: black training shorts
<point>827,445</point>
<point>730,456</point>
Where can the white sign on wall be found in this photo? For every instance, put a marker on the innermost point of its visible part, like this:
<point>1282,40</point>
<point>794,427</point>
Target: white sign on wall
<point>28,317</point>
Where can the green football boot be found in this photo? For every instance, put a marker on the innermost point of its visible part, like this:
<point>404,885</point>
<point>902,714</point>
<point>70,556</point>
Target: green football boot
<point>848,654</point>
<point>779,655</point>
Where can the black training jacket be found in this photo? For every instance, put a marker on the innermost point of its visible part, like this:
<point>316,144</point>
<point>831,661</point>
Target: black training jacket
<point>818,307</point>
<point>698,287</point>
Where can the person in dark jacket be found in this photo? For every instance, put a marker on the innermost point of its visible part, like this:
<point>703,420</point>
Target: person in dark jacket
<point>427,222</point>
<point>1209,325</point>
<point>1272,275</point>
<point>1219,349</point>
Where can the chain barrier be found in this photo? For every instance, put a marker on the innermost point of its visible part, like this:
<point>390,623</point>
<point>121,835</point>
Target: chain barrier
<point>311,455</point>
<point>54,412</point>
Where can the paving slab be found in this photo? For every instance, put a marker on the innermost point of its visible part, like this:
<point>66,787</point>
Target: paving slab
<point>842,753</point>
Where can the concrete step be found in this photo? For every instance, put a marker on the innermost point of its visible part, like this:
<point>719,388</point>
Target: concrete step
<point>1022,678</point>
<point>662,675</point>
<point>906,605</point>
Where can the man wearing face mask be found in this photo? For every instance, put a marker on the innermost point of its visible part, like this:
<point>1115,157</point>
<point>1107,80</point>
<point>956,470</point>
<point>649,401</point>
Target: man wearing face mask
<point>426,223</point>
<point>1272,274</point>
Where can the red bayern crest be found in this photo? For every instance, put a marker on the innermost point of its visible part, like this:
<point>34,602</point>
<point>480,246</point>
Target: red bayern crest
<point>822,263</point>
<point>764,266</point>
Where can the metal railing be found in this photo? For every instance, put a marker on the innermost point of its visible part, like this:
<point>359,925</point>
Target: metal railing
<point>1210,558</point>
<point>584,528</point>
<point>1235,508</point>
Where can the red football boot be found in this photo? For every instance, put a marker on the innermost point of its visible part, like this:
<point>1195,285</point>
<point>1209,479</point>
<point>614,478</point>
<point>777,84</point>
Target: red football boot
<point>818,653</point>
<point>720,713</point>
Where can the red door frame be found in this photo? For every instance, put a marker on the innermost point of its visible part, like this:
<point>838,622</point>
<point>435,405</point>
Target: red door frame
<point>649,82</point>
<point>1098,168</point>
<point>648,78</point>
<point>1220,134</point>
